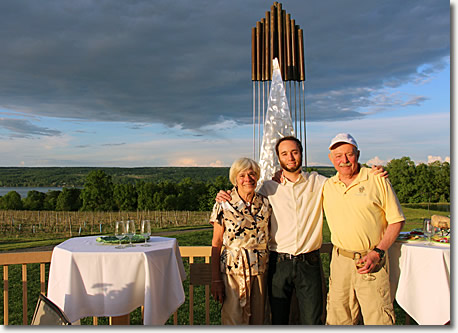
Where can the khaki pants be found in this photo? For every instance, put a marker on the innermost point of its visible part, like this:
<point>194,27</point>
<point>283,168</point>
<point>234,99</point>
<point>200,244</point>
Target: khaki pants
<point>232,313</point>
<point>351,296</point>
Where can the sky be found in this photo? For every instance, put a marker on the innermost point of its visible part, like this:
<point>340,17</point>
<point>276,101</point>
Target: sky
<point>168,83</point>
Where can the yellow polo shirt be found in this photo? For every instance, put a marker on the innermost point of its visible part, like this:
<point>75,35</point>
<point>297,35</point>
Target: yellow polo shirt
<point>358,215</point>
<point>297,214</point>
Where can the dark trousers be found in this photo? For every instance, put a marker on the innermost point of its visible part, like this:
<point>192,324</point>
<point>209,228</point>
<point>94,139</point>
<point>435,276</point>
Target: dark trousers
<point>302,274</point>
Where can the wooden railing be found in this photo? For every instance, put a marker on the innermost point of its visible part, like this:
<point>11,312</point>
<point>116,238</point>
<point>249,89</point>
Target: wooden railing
<point>200,274</point>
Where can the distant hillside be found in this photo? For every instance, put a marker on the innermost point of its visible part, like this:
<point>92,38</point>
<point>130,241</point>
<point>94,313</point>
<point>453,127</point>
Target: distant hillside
<point>76,176</point>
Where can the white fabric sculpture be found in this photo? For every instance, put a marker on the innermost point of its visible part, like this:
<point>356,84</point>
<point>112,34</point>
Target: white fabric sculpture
<point>278,124</point>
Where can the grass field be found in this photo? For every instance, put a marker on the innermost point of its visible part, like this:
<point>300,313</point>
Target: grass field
<point>414,219</point>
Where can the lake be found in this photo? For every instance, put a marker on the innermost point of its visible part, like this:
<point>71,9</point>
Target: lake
<point>24,190</point>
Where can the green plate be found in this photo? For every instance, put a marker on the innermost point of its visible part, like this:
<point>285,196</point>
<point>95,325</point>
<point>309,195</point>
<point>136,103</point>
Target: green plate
<point>125,240</point>
<point>407,238</point>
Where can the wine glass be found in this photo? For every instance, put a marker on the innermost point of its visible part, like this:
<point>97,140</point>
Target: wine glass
<point>120,230</point>
<point>437,231</point>
<point>130,231</point>
<point>428,229</point>
<point>359,264</point>
<point>146,230</point>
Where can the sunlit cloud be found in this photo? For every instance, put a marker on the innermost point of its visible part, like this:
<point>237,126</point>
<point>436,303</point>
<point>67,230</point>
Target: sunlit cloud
<point>432,159</point>
<point>375,161</point>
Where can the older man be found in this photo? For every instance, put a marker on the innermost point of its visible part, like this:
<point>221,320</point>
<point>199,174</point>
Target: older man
<point>364,217</point>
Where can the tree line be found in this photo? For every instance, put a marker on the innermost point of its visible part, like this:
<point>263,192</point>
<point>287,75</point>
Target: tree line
<point>101,194</point>
<point>76,176</point>
<point>413,184</point>
<point>419,183</point>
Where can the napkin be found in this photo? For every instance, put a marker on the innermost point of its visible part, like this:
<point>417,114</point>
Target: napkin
<point>114,240</point>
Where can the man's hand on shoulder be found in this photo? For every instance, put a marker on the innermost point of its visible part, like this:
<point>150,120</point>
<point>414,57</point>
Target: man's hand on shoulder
<point>223,196</point>
<point>379,170</point>
<point>278,176</point>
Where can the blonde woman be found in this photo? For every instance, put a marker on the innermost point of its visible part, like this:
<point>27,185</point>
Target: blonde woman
<point>239,272</point>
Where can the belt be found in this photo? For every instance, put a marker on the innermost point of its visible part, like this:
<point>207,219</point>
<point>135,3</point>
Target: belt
<point>299,257</point>
<point>351,254</point>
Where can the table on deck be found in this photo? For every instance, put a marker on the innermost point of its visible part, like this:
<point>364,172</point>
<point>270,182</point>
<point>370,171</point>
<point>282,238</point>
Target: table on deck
<point>88,278</point>
<point>420,280</point>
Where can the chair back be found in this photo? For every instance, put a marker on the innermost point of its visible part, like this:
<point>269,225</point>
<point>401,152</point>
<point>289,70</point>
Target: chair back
<point>48,313</point>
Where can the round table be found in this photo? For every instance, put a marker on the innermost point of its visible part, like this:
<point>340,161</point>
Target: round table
<point>88,278</point>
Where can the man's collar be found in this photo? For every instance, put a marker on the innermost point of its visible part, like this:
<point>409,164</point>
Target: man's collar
<point>302,176</point>
<point>362,176</point>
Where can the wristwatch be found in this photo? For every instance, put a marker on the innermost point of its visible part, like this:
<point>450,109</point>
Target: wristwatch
<point>381,253</point>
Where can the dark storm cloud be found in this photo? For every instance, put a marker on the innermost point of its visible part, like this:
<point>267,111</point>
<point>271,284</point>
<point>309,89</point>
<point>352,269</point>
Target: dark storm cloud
<point>187,63</point>
<point>23,128</point>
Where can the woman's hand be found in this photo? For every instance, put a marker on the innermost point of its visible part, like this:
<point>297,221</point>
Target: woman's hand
<point>217,290</point>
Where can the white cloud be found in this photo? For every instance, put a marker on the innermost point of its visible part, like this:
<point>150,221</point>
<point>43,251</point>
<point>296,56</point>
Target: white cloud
<point>216,164</point>
<point>185,162</point>
<point>375,161</point>
<point>432,159</point>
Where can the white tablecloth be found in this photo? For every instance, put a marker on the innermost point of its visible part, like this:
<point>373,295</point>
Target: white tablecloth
<point>420,280</point>
<point>87,278</point>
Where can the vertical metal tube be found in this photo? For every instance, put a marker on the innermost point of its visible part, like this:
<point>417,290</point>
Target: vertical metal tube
<point>263,106</point>
<point>253,54</point>
<point>262,48</point>
<point>284,64</point>
<point>300,41</point>
<point>259,77</point>
<point>280,38</point>
<point>288,47</point>
<point>259,120</point>
<point>293,51</point>
<point>288,66</point>
<point>273,38</point>
<point>268,66</point>
<point>300,114</point>
<point>254,120</point>
<point>267,94</point>
<point>295,109</point>
<point>293,71</point>
<point>300,45</point>
<point>253,79</point>
<point>258,49</point>
<point>263,74</point>
<point>267,61</point>
<point>305,122</point>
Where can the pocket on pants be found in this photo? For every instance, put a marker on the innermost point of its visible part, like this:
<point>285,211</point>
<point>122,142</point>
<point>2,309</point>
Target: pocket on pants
<point>389,314</point>
<point>314,260</point>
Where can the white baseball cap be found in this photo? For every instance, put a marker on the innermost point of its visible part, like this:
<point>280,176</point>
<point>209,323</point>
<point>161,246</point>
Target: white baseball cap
<point>343,137</point>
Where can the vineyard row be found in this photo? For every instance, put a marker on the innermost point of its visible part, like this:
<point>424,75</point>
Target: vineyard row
<point>30,223</point>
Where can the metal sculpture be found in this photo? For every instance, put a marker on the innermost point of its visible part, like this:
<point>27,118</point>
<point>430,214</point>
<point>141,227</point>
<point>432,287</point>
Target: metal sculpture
<point>277,36</point>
